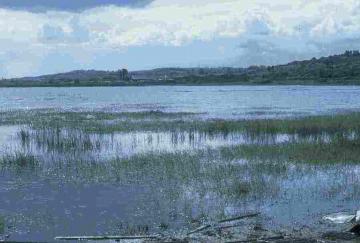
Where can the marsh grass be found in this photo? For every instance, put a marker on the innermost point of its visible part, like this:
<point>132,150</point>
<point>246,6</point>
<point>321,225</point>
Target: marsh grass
<point>72,135</point>
<point>157,120</point>
<point>335,151</point>
<point>67,142</point>
<point>55,117</point>
<point>203,171</point>
<point>2,225</point>
<point>19,160</point>
<point>24,136</point>
<point>63,140</point>
<point>69,147</point>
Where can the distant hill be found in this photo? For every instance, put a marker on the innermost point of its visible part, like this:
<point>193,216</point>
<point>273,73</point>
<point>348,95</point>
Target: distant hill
<point>341,69</point>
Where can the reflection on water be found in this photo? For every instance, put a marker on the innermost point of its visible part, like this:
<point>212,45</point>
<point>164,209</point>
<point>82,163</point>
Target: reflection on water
<point>124,144</point>
<point>162,189</point>
<point>7,135</point>
<point>40,208</point>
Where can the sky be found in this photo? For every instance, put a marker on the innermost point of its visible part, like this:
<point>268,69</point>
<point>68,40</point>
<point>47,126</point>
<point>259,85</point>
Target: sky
<point>49,36</point>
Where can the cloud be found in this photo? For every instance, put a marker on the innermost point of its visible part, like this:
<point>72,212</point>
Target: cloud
<point>260,51</point>
<point>278,28</point>
<point>52,33</point>
<point>57,34</point>
<point>180,22</point>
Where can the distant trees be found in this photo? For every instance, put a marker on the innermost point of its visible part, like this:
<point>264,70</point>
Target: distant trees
<point>336,69</point>
<point>352,53</point>
<point>124,74</point>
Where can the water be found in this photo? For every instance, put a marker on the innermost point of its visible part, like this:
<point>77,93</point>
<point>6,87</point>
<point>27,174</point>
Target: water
<point>120,144</point>
<point>215,101</point>
<point>39,207</point>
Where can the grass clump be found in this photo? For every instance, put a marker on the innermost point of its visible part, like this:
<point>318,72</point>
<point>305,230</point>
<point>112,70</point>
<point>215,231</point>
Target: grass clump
<point>2,225</point>
<point>180,166</point>
<point>19,160</point>
<point>317,152</point>
<point>109,122</point>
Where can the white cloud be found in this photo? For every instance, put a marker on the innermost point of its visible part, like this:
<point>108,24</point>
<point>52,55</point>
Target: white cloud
<point>178,22</point>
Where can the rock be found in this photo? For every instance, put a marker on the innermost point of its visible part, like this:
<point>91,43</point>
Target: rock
<point>334,236</point>
<point>259,228</point>
<point>355,229</point>
<point>4,238</point>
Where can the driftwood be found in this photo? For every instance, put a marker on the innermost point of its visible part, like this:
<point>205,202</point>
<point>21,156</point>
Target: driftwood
<point>242,241</point>
<point>280,237</point>
<point>204,227</point>
<point>239,217</point>
<point>119,237</point>
<point>228,226</point>
<point>201,228</point>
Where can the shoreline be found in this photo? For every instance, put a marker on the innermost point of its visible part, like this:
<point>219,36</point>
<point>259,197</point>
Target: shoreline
<point>179,85</point>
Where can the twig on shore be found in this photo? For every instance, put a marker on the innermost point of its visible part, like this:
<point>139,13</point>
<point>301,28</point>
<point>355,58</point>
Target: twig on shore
<point>201,228</point>
<point>228,226</point>
<point>239,217</point>
<point>280,237</point>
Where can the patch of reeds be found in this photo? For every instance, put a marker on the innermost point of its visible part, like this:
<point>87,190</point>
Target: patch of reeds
<point>334,151</point>
<point>19,160</point>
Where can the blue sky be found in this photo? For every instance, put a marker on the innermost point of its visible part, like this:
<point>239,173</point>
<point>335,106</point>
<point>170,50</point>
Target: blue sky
<point>48,36</point>
<point>67,5</point>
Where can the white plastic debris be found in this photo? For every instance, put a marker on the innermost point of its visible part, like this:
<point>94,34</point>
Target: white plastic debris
<point>341,218</point>
<point>357,217</point>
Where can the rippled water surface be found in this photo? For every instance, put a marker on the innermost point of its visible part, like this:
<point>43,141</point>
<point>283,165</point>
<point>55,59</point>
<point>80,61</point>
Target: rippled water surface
<point>216,101</point>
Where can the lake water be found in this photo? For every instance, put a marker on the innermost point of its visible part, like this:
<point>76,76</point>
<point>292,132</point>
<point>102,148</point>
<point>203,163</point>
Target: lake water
<point>40,206</point>
<point>215,101</point>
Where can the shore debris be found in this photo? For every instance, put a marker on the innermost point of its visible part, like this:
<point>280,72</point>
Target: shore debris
<point>204,227</point>
<point>201,228</point>
<point>154,237</point>
<point>239,217</point>
<point>340,218</point>
<point>265,239</point>
<point>339,236</point>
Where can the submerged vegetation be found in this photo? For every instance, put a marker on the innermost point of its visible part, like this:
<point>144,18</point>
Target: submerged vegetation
<point>85,145</point>
<point>77,141</point>
<point>106,122</point>
<point>2,225</point>
<point>200,163</point>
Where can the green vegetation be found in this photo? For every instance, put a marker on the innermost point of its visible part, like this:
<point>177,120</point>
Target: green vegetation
<point>345,151</point>
<point>333,70</point>
<point>328,138</point>
<point>2,225</point>
<point>19,161</point>
<point>101,122</point>
<point>82,148</point>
